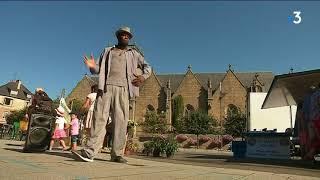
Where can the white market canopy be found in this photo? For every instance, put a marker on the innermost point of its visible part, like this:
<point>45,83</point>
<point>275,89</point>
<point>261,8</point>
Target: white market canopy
<point>290,89</point>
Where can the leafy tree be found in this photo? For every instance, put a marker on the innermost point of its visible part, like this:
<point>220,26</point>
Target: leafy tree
<point>198,123</point>
<point>16,115</point>
<point>76,106</point>
<point>56,102</point>
<point>177,113</point>
<point>154,123</point>
<point>235,123</point>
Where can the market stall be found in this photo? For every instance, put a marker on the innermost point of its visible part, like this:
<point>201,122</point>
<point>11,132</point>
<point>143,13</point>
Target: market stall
<point>301,89</point>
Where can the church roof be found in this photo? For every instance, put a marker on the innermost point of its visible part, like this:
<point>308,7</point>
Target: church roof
<point>22,93</point>
<point>246,79</point>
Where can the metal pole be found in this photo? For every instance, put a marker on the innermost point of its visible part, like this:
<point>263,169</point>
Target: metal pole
<point>220,98</point>
<point>291,125</point>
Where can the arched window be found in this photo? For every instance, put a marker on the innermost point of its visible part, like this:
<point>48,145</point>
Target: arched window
<point>189,109</point>
<point>231,110</point>
<point>150,108</point>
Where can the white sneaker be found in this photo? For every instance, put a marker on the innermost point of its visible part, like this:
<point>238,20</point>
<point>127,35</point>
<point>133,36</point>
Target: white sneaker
<point>80,154</point>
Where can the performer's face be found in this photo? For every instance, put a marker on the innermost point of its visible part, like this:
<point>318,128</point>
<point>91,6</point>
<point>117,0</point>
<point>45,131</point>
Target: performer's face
<point>123,38</point>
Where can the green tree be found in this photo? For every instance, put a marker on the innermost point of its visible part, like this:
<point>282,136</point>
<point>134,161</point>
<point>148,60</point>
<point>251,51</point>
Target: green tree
<point>235,123</point>
<point>154,123</point>
<point>76,106</point>
<point>56,102</point>
<point>16,115</point>
<point>198,123</point>
<point>177,113</point>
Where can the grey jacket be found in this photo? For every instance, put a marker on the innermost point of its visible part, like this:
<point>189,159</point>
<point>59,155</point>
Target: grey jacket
<point>134,61</point>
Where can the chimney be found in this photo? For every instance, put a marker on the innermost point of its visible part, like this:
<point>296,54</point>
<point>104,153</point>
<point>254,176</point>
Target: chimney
<point>19,84</point>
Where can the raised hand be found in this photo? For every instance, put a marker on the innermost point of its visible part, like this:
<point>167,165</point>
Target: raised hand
<point>89,61</point>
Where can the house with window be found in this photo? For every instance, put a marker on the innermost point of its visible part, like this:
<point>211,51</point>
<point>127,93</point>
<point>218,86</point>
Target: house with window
<point>13,96</point>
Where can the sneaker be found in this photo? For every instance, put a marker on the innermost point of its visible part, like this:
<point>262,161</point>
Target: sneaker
<point>119,159</point>
<point>66,149</point>
<point>82,155</point>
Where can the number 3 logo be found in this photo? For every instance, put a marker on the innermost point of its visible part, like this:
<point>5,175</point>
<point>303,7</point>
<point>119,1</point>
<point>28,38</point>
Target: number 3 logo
<point>297,17</point>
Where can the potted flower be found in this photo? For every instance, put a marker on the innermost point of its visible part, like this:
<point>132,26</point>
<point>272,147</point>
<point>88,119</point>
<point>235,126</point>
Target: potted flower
<point>158,145</point>
<point>148,147</point>
<point>131,147</point>
<point>171,146</point>
<point>131,128</point>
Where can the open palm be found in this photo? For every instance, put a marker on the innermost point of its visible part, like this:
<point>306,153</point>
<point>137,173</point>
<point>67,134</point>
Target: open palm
<point>89,61</point>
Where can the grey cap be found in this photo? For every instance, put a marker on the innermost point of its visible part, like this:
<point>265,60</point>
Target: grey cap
<point>124,29</point>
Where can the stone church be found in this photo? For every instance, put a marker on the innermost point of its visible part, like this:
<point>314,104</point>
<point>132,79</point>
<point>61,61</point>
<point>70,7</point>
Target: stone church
<point>213,93</point>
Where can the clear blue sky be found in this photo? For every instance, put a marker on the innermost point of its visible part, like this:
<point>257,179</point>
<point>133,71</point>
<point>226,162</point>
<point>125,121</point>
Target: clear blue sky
<point>42,43</point>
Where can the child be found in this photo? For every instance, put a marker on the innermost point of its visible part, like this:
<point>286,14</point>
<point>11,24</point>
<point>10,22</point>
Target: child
<point>74,131</point>
<point>59,132</point>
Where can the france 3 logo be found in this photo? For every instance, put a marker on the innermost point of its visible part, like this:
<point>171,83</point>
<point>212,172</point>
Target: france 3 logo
<point>295,18</point>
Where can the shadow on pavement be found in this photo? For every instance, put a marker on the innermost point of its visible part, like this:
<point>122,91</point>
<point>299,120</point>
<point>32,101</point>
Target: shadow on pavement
<point>19,145</point>
<point>203,156</point>
<point>11,149</point>
<point>62,153</point>
<point>253,161</point>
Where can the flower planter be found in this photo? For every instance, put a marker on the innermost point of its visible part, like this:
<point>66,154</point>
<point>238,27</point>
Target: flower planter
<point>169,154</point>
<point>156,153</point>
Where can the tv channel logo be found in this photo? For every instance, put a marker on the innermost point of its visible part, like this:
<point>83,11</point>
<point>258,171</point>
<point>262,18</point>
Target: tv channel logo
<point>295,18</point>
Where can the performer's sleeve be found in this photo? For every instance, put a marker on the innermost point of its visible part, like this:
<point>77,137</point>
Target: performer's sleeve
<point>144,65</point>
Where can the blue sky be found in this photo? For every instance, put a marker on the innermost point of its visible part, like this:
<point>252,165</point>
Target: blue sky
<point>42,43</point>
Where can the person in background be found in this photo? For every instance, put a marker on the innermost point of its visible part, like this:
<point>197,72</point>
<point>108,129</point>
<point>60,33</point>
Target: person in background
<point>15,129</point>
<point>74,131</point>
<point>89,106</point>
<point>59,132</point>
<point>24,122</point>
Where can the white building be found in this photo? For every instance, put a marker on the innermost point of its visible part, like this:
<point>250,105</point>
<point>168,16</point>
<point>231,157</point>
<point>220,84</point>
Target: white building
<point>274,118</point>
<point>13,96</point>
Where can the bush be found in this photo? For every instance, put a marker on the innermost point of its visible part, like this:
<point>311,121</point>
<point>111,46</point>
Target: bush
<point>16,115</point>
<point>148,147</point>
<point>177,113</point>
<point>160,145</point>
<point>171,146</point>
<point>181,138</point>
<point>131,146</point>
<point>235,123</point>
<point>154,123</point>
<point>198,122</point>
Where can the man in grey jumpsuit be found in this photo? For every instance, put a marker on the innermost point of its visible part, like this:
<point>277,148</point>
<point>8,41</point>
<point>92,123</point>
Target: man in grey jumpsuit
<point>118,68</point>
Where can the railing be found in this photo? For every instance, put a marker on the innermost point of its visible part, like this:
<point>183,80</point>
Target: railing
<point>8,132</point>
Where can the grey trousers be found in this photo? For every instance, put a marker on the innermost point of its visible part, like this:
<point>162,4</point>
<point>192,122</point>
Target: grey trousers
<point>116,102</point>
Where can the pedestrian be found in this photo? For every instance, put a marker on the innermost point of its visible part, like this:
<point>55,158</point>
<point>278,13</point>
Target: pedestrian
<point>89,106</point>
<point>15,129</point>
<point>117,68</point>
<point>74,124</point>
<point>24,122</point>
<point>59,132</point>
